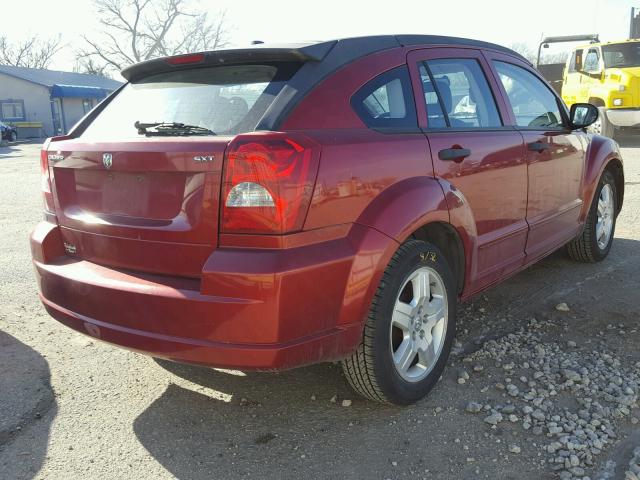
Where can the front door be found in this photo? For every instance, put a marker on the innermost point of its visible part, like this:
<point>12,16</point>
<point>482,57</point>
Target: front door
<point>555,157</point>
<point>475,155</point>
<point>591,74</point>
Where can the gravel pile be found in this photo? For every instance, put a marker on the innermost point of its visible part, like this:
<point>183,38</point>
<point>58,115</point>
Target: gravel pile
<point>571,396</point>
<point>634,466</point>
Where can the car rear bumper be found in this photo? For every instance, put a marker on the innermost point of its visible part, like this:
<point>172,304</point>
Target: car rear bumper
<point>276,356</point>
<point>624,117</point>
<point>251,309</point>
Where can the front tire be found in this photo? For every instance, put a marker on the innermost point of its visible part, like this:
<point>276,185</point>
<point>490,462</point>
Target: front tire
<point>602,126</point>
<point>13,136</point>
<point>594,243</point>
<point>409,329</point>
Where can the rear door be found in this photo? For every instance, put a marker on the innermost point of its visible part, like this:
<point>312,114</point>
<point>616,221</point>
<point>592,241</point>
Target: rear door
<point>480,159</point>
<point>555,156</point>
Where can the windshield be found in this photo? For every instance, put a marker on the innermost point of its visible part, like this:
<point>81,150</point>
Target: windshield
<point>621,55</point>
<point>223,100</point>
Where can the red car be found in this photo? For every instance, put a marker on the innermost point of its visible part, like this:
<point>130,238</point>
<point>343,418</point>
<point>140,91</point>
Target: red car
<point>271,207</point>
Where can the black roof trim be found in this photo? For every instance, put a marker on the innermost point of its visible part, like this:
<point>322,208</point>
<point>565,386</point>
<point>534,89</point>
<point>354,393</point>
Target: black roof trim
<point>415,40</point>
<point>343,52</point>
<point>310,52</point>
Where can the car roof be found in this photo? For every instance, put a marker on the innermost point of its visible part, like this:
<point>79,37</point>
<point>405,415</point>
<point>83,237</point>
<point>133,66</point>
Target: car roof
<point>336,52</point>
<point>401,40</point>
<point>318,60</point>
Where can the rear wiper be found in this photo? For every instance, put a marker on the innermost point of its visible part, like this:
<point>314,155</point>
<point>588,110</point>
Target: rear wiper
<point>170,129</point>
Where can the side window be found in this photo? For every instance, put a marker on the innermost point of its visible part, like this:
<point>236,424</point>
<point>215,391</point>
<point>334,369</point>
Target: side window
<point>572,63</point>
<point>533,103</point>
<point>387,101</point>
<point>458,87</point>
<point>592,61</point>
<point>12,110</point>
<point>575,64</point>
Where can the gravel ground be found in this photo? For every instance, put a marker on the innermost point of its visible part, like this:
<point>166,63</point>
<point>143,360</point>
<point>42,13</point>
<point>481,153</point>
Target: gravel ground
<point>543,383</point>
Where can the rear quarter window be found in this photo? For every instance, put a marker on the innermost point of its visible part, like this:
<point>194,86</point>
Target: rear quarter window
<point>227,100</point>
<point>387,101</point>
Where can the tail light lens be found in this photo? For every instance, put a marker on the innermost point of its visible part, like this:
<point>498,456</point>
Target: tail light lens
<point>46,180</point>
<point>49,206</point>
<point>268,183</point>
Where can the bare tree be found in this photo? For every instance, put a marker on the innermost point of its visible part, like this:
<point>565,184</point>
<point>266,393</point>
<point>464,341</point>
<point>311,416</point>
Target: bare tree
<point>525,50</point>
<point>137,30</point>
<point>91,66</point>
<point>532,55</point>
<point>557,57</point>
<point>32,52</point>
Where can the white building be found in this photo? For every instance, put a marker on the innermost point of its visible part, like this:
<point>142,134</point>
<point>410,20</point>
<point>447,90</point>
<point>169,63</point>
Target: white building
<point>43,103</point>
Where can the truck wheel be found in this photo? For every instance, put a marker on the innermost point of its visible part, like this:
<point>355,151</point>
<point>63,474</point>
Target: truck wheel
<point>602,126</point>
<point>13,136</point>
<point>594,243</point>
<point>409,330</point>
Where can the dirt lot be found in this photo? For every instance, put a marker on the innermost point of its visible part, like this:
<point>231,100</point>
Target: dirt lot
<point>556,390</point>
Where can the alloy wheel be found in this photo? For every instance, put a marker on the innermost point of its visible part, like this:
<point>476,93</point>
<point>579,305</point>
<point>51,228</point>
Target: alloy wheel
<point>419,324</point>
<point>604,223</point>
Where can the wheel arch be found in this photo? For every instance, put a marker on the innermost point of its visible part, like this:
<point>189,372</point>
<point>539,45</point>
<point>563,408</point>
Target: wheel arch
<point>404,207</point>
<point>444,236</point>
<point>602,154</point>
<point>412,208</point>
<point>596,101</point>
<point>615,167</point>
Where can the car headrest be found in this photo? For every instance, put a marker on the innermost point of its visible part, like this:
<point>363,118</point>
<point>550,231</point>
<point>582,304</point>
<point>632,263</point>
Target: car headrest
<point>445,92</point>
<point>443,88</point>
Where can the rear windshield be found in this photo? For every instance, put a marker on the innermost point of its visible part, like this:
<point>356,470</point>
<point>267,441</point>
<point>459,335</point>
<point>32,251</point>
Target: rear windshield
<point>225,100</point>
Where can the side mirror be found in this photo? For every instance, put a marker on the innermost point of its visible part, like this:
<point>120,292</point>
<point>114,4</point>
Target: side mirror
<point>582,115</point>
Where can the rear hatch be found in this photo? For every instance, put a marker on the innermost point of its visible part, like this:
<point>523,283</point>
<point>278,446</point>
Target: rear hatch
<point>147,197</point>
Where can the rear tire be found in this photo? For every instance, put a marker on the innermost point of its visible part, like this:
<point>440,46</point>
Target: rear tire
<point>594,243</point>
<point>402,321</point>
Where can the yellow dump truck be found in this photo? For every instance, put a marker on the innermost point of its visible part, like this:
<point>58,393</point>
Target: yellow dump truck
<point>606,75</point>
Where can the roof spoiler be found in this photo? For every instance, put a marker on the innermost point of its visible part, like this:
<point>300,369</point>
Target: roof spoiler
<point>313,52</point>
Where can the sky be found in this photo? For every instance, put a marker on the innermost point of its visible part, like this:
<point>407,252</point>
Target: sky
<point>503,22</point>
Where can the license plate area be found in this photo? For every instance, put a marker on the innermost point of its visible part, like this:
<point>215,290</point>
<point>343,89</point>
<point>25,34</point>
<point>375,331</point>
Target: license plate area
<point>155,196</point>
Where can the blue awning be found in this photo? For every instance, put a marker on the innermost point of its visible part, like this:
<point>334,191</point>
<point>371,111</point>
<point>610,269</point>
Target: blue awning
<point>78,91</point>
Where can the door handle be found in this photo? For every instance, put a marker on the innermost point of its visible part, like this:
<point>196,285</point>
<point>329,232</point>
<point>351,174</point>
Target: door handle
<point>454,154</point>
<point>539,146</point>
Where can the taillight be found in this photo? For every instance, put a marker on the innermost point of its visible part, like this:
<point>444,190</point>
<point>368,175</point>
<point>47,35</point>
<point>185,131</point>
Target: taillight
<point>45,181</point>
<point>268,183</point>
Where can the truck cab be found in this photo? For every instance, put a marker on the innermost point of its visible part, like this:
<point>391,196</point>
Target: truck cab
<point>606,75</point>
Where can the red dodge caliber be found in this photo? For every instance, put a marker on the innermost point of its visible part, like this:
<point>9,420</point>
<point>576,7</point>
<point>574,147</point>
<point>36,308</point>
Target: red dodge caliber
<point>271,207</point>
